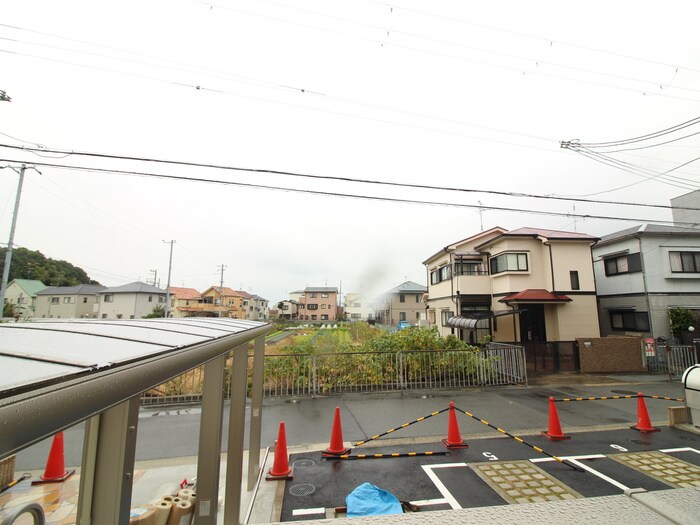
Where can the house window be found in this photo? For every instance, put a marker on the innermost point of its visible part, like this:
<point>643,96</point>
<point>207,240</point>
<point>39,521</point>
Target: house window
<point>108,298</point>
<point>312,295</point>
<point>402,316</point>
<point>324,317</point>
<point>445,273</point>
<point>573,275</point>
<point>119,316</point>
<point>150,298</point>
<point>445,315</point>
<point>161,298</point>
<point>434,277</point>
<point>402,298</point>
<point>85,300</point>
<point>685,262</point>
<point>55,300</point>
<point>629,320</point>
<point>313,317</point>
<point>104,316</point>
<point>463,267</point>
<point>324,295</point>
<point>312,306</point>
<point>418,298</point>
<point>630,263</point>
<point>67,300</point>
<point>508,262</point>
<point>355,316</point>
<point>357,305</point>
<point>417,316</point>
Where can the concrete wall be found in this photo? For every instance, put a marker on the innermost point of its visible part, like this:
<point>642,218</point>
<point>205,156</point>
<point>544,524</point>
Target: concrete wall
<point>610,354</point>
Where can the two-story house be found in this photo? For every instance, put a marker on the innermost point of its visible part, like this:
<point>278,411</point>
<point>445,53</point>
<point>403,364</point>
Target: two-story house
<point>529,286</point>
<point>402,303</point>
<point>130,301</point>
<point>641,273</point>
<point>21,294</point>
<point>68,302</point>
<point>318,303</point>
<point>288,309</point>
<point>185,302</point>
<point>359,307</point>
<point>261,308</point>
<point>220,301</point>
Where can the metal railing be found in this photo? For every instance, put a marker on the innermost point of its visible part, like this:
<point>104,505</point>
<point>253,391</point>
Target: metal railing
<point>314,374</point>
<point>671,359</point>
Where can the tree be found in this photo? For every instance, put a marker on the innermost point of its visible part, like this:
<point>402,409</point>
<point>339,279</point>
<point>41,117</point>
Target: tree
<point>8,310</point>
<point>158,311</point>
<point>28,264</point>
<point>681,319</point>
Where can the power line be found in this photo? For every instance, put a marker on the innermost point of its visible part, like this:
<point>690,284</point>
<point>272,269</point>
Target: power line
<point>535,37</point>
<point>356,196</point>
<point>655,134</point>
<point>339,179</point>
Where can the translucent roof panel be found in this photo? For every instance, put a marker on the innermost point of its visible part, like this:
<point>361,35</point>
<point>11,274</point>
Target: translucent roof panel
<point>35,352</point>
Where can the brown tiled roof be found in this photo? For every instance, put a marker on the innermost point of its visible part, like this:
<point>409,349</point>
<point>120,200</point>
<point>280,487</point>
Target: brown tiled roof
<point>535,296</point>
<point>243,294</point>
<point>185,293</point>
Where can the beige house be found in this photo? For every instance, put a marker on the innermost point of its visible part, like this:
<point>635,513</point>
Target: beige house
<point>527,286</point>
<point>21,294</point>
<point>184,302</point>
<point>318,303</point>
<point>220,301</point>
<point>403,303</point>
<point>359,307</point>
<point>131,301</point>
<point>68,302</point>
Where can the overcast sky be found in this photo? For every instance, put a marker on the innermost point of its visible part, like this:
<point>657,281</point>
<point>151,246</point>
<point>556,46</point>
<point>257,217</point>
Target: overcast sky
<point>449,94</point>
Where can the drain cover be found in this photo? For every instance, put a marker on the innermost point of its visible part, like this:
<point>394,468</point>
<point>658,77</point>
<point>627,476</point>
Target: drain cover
<point>302,489</point>
<point>303,463</point>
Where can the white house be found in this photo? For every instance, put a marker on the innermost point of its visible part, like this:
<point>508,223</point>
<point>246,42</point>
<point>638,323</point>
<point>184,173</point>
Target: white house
<point>643,272</point>
<point>131,301</point>
<point>67,302</point>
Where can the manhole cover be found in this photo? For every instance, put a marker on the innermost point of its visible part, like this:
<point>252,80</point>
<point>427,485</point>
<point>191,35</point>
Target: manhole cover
<point>302,489</point>
<point>303,463</point>
<point>624,392</point>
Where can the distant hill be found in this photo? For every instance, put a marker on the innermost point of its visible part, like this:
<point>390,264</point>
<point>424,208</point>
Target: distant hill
<point>28,264</point>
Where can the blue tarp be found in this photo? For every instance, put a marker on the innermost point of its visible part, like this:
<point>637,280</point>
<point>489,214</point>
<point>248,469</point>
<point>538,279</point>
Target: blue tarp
<point>368,500</point>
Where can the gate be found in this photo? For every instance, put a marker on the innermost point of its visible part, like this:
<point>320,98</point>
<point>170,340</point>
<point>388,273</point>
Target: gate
<point>670,359</point>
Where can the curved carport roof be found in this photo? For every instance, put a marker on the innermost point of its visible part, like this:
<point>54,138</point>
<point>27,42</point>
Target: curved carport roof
<point>54,374</point>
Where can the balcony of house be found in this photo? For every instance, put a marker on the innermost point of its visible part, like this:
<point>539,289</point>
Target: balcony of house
<point>473,283</point>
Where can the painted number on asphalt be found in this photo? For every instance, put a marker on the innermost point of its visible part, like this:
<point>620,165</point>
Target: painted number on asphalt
<point>618,447</point>
<point>490,456</point>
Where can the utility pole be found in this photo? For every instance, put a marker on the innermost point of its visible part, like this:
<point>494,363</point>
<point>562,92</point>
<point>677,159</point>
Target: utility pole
<point>155,275</point>
<point>221,289</point>
<point>8,253</point>
<point>167,288</point>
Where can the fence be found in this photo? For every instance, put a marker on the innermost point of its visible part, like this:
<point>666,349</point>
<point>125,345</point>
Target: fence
<point>671,359</point>
<point>311,374</point>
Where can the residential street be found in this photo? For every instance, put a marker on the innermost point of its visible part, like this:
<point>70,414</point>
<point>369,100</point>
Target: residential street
<point>173,432</point>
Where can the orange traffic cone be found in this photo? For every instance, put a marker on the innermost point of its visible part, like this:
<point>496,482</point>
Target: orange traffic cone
<point>336,447</point>
<point>280,468</point>
<point>643,421</point>
<point>554,432</point>
<point>55,470</point>
<point>454,436</point>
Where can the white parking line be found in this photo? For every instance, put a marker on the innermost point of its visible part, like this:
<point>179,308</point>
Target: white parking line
<point>309,512</point>
<point>449,498</point>
<point>575,461</point>
<point>682,449</point>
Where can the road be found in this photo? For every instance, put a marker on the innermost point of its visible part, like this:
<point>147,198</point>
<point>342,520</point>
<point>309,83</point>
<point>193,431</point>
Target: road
<point>173,432</point>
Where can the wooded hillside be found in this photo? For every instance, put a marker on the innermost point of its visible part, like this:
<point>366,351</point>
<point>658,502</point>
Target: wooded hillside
<point>28,264</point>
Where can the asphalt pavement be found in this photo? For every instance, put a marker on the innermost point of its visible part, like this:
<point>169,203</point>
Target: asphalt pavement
<point>173,432</point>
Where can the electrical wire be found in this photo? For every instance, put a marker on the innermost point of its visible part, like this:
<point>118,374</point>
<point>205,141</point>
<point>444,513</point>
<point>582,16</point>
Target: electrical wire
<point>341,179</point>
<point>640,138</point>
<point>352,196</point>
